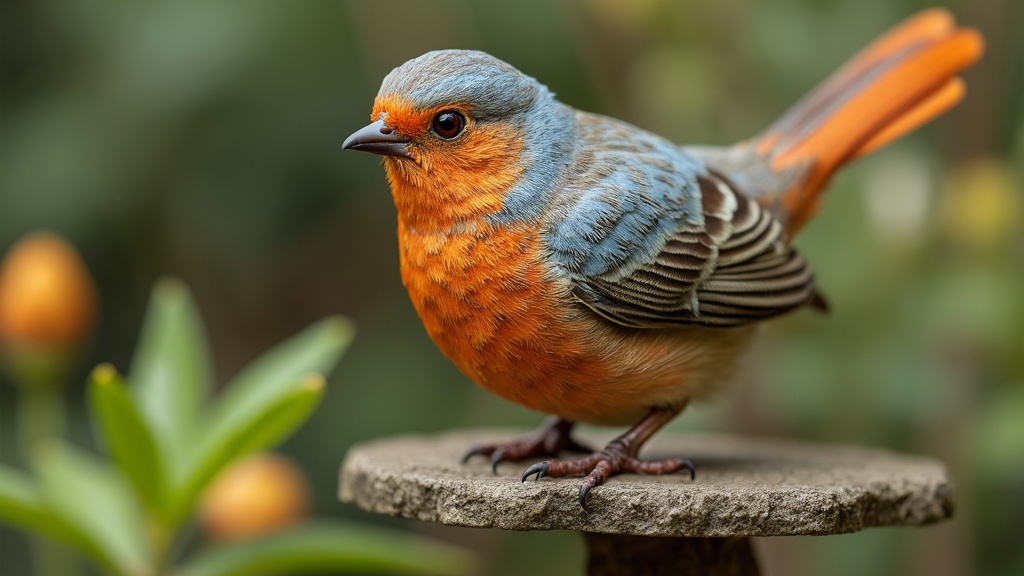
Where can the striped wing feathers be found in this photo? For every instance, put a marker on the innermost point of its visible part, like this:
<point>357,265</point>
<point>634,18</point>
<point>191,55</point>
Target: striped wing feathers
<point>735,269</point>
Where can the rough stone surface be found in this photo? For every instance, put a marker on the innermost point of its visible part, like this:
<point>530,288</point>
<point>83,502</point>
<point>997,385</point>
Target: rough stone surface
<point>744,487</point>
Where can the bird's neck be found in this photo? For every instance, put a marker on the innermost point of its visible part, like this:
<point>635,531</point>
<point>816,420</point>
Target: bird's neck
<point>442,199</point>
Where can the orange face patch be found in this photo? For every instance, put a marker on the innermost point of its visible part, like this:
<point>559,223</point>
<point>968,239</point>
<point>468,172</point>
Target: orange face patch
<point>449,181</point>
<point>405,118</point>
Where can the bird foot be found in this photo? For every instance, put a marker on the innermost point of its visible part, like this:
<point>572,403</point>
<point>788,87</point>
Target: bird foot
<point>617,457</point>
<point>549,440</point>
<point>600,466</point>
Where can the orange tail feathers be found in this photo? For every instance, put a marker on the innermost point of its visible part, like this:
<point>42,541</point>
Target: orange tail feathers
<point>899,82</point>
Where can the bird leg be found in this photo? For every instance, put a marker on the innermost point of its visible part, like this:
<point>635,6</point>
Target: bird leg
<point>550,439</point>
<point>618,456</point>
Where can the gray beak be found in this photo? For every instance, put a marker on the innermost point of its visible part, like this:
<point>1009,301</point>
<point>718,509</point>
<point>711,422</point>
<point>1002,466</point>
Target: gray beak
<point>378,138</point>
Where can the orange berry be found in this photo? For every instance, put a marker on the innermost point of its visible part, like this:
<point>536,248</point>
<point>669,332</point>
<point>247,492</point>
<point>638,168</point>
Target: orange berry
<point>47,297</point>
<point>256,496</point>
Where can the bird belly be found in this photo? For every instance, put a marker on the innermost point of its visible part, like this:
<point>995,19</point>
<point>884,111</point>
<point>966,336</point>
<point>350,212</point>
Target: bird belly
<point>495,307</point>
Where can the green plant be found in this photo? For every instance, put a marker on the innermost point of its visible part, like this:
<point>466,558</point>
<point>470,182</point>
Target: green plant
<point>167,439</point>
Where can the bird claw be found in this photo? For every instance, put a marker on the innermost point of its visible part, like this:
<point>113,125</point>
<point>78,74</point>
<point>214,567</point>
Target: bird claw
<point>687,465</point>
<point>475,451</point>
<point>550,439</point>
<point>495,459</point>
<point>540,469</point>
<point>583,495</point>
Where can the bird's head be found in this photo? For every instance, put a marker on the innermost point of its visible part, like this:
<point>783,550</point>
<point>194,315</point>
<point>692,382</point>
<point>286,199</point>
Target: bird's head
<point>458,130</point>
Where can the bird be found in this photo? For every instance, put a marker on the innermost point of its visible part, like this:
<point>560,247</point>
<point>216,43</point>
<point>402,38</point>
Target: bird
<point>597,272</point>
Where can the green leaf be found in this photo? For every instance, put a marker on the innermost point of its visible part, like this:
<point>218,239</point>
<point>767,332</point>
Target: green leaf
<point>95,500</point>
<point>171,372</point>
<point>315,350</point>
<point>262,405</point>
<point>236,434</point>
<point>22,507</point>
<point>128,436</point>
<point>331,548</point>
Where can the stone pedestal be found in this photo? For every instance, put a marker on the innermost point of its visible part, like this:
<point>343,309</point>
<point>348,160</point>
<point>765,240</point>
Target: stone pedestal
<point>657,524</point>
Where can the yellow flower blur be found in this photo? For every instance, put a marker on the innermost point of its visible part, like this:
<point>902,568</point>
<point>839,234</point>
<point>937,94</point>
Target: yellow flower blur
<point>982,204</point>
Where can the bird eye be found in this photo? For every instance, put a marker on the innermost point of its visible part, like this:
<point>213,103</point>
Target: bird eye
<point>448,124</point>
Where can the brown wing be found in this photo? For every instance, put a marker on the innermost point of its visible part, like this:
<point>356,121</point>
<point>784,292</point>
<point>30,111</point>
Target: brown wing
<point>736,268</point>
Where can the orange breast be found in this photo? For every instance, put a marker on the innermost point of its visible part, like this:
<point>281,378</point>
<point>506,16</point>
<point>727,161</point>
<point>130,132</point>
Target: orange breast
<point>492,306</point>
<point>488,303</point>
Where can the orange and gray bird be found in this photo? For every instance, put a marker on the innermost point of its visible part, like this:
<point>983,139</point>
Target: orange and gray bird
<point>596,272</point>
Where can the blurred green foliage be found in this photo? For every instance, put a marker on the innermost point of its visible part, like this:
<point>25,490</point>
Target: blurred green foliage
<point>167,446</point>
<point>203,139</point>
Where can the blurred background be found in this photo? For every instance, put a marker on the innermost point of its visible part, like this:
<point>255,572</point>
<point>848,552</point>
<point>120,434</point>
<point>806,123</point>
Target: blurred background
<point>203,140</point>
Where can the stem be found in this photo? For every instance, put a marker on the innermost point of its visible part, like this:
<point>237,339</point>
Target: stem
<point>41,418</point>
